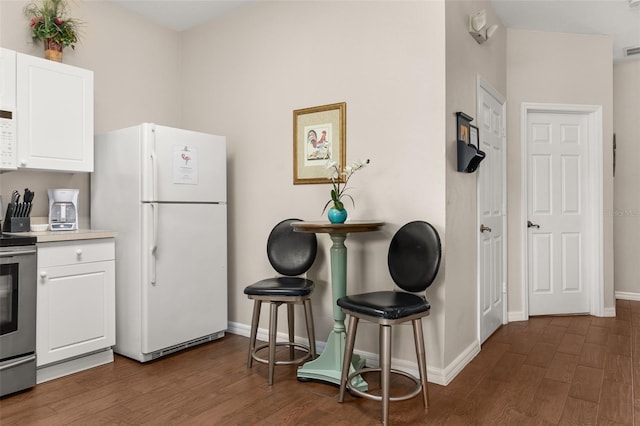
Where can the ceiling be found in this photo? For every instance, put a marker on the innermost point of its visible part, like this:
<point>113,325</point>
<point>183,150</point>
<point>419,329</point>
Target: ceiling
<point>181,15</point>
<point>604,17</point>
<point>614,18</point>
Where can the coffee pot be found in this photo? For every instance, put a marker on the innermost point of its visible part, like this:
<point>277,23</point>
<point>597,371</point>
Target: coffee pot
<point>63,209</point>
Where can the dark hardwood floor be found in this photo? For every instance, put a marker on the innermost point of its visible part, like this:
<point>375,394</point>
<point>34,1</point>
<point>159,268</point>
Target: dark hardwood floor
<point>549,370</point>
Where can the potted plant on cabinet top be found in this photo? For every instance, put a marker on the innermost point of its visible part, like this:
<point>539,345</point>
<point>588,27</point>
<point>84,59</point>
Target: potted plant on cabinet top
<point>49,23</point>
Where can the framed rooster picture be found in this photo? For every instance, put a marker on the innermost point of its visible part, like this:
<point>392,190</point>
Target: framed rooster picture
<point>318,137</point>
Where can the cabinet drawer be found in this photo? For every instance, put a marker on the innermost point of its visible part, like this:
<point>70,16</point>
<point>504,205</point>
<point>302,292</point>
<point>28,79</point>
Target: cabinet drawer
<point>74,252</point>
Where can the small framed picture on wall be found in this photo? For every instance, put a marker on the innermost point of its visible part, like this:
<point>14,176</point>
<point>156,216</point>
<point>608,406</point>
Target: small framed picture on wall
<point>463,123</point>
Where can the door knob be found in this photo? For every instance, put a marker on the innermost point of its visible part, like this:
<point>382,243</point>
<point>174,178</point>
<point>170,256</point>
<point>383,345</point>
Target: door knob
<point>532,225</point>
<point>483,228</point>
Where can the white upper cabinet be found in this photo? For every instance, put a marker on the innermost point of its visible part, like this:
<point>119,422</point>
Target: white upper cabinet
<point>54,115</point>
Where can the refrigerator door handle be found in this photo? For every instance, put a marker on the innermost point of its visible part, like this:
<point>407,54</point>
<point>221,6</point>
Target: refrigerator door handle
<point>154,244</point>
<point>154,176</point>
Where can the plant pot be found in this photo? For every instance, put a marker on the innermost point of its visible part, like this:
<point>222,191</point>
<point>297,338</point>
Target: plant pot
<point>337,216</point>
<point>52,50</point>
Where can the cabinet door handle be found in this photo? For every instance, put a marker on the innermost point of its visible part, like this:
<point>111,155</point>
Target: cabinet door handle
<point>43,274</point>
<point>79,253</point>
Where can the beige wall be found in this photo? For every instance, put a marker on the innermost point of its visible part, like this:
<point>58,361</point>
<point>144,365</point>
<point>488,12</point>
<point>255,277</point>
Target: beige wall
<point>565,69</point>
<point>136,79</point>
<point>466,60</point>
<point>243,77</point>
<point>246,74</point>
<point>626,211</point>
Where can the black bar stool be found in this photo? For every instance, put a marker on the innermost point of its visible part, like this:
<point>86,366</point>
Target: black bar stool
<point>413,259</point>
<point>290,254</point>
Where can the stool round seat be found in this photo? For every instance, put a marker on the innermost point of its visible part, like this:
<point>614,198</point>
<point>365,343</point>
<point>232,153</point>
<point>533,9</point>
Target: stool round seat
<point>385,304</point>
<point>281,286</point>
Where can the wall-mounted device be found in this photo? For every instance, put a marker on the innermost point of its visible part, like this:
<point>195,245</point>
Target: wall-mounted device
<point>478,27</point>
<point>63,209</point>
<point>469,156</point>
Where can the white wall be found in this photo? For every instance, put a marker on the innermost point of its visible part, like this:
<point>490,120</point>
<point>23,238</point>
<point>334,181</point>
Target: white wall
<point>136,79</point>
<point>626,210</point>
<point>466,60</point>
<point>244,76</point>
<point>556,68</point>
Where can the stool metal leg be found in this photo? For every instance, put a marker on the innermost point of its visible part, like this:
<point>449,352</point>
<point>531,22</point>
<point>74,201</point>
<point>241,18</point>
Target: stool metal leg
<point>310,328</point>
<point>273,325</point>
<point>291,327</point>
<point>385,365</point>
<point>422,360</point>
<point>254,330</point>
<point>348,354</point>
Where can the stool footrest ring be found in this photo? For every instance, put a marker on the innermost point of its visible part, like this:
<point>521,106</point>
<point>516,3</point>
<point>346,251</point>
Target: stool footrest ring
<point>254,353</point>
<point>355,391</point>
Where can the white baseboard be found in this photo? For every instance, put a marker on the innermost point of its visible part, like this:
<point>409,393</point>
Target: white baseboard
<point>461,361</point>
<point>624,295</point>
<point>515,316</point>
<point>54,371</point>
<point>435,375</point>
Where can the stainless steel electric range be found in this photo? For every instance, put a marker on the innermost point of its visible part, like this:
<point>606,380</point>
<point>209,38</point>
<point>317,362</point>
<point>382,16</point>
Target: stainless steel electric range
<point>17,313</point>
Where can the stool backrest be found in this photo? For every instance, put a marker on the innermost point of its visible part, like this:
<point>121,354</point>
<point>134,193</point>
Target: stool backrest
<point>291,253</point>
<point>414,256</point>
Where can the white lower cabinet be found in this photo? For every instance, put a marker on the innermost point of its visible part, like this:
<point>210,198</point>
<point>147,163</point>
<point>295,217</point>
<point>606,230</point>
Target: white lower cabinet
<point>76,302</point>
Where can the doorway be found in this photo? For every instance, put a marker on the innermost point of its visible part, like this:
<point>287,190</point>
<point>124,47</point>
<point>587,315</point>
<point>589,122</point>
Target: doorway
<point>562,209</point>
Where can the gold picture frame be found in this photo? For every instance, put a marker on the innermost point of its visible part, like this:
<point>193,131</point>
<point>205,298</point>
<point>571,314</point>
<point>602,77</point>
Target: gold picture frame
<point>319,135</point>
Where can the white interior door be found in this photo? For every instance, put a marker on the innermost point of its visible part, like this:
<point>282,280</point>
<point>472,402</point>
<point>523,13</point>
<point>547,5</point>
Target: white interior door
<point>491,211</point>
<point>557,213</point>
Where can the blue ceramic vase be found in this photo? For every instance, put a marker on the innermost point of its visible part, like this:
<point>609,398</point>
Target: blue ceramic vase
<point>337,216</point>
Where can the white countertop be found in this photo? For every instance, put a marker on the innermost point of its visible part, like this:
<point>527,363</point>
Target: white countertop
<point>80,234</point>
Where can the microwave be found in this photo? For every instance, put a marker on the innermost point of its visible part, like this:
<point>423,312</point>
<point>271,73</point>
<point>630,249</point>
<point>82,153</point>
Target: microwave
<point>8,151</point>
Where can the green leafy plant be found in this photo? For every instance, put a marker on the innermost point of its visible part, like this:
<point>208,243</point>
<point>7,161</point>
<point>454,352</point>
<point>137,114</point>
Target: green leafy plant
<point>338,192</point>
<point>48,20</point>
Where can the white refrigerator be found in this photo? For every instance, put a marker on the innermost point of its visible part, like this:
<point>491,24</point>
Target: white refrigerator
<point>164,191</point>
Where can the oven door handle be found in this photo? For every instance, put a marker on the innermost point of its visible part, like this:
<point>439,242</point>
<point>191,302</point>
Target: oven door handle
<point>17,363</point>
<point>16,252</point>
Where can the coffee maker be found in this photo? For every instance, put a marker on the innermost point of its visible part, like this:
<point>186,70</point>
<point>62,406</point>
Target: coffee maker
<point>63,209</point>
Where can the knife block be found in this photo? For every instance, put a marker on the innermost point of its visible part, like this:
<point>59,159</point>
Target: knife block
<point>17,224</point>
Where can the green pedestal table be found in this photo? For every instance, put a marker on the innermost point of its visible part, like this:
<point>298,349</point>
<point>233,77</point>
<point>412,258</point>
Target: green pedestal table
<point>328,366</point>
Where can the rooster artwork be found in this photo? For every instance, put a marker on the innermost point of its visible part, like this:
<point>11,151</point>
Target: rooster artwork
<point>319,148</point>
